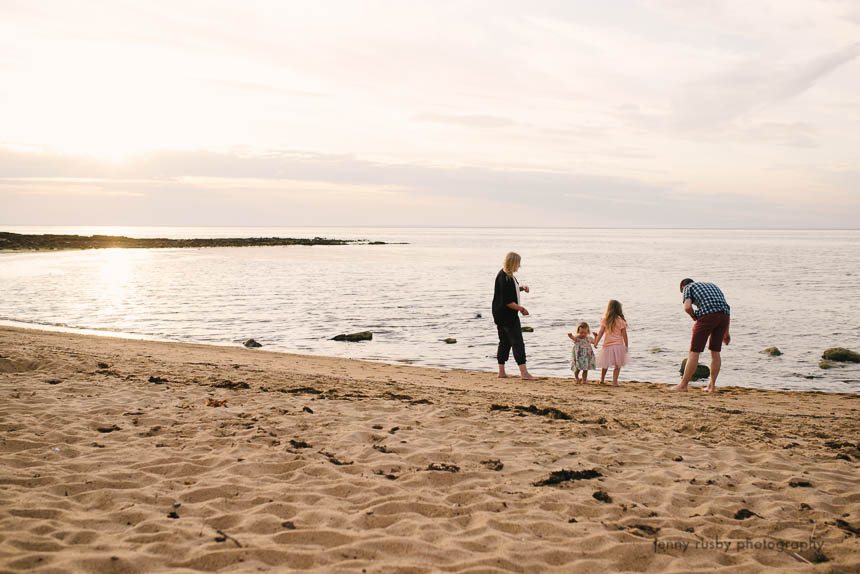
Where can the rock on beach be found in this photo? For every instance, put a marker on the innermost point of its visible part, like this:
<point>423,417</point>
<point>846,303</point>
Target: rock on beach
<point>702,371</point>
<point>841,355</point>
<point>354,337</point>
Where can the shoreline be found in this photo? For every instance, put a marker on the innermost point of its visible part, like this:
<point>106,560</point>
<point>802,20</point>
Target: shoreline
<point>424,372</point>
<point>41,327</point>
<point>138,455</point>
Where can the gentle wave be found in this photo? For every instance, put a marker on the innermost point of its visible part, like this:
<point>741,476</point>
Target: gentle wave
<point>413,296</point>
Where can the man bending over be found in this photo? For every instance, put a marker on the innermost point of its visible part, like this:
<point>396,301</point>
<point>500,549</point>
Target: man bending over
<point>705,303</point>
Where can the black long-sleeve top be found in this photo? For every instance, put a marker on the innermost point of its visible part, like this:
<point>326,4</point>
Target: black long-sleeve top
<point>505,292</point>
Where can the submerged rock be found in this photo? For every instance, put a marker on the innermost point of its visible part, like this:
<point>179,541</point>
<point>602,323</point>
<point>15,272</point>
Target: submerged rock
<point>528,329</point>
<point>825,364</point>
<point>449,340</point>
<point>252,344</point>
<point>841,354</point>
<point>702,371</point>
<point>657,350</point>
<point>772,351</point>
<point>354,337</point>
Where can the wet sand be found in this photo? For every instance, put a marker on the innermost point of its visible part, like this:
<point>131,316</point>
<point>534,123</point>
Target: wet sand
<point>134,456</point>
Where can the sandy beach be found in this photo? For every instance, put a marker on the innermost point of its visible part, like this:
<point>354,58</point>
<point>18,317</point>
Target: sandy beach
<point>134,456</point>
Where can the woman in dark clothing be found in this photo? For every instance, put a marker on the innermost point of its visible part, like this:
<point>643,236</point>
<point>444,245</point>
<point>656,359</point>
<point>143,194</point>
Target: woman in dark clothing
<point>506,306</point>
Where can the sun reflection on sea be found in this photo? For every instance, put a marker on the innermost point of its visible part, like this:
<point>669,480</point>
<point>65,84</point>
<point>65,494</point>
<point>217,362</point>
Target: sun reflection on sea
<point>115,268</point>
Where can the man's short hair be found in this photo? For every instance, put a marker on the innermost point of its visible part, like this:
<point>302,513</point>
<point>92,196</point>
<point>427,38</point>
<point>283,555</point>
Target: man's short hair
<point>685,282</point>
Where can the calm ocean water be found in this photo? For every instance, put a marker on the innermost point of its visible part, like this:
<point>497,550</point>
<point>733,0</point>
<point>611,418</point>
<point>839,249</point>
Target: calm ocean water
<point>797,290</point>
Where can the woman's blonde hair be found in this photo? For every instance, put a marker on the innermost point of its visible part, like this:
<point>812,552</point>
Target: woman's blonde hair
<point>582,325</point>
<point>512,262</point>
<point>613,312</point>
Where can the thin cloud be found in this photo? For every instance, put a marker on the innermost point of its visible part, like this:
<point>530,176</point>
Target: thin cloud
<point>803,77</point>
<point>472,121</point>
<point>717,101</point>
<point>793,134</point>
<point>284,188</point>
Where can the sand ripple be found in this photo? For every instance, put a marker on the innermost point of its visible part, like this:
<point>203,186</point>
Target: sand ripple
<point>399,469</point>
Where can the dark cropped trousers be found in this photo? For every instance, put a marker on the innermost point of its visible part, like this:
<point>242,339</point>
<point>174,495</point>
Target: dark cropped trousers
<point>511,338</point>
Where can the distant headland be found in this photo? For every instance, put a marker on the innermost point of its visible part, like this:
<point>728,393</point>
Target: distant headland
<point>24,242</point>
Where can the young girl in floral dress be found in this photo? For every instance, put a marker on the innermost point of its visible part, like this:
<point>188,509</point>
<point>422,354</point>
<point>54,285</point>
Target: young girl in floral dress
<point>582,355</point>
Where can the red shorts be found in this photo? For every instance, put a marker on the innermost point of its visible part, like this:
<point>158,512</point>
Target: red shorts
<point>713,325</point>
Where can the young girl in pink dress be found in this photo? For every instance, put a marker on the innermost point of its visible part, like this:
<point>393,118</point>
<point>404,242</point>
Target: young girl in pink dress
<point>614,350</point>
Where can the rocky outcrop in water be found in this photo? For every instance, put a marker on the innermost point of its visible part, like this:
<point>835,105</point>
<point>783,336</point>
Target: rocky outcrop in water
<point>252,344</point>
<point>772,351</point>
<point>21,242</point>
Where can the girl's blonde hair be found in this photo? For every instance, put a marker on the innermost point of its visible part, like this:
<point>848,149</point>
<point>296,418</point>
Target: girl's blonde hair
<point>613,312</point>
<point>511,263</point>
<point>582,325</point>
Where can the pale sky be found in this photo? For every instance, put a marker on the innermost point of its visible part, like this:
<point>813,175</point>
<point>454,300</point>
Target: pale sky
<point>657,113</point>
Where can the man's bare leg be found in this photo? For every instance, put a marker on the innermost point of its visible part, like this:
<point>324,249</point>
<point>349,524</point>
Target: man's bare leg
<point>692,363</point>
<point>502,373</point>
<point>716,363</point>
<point>524,373</point>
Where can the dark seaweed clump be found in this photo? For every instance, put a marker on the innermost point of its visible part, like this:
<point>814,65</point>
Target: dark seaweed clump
<point>559,476</point>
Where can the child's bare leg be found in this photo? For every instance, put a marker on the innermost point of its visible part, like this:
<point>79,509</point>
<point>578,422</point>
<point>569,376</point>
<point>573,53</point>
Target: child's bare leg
<point>615,373</point>
<point>584,377</point>
<point>603,375</point>
<point>576,375</point>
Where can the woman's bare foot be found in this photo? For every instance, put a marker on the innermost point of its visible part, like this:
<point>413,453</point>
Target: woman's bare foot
<point>503,376</point>
<point>527,377</point>
<point>711,389</point>
<point>615,385</point>
<point>679,389</point>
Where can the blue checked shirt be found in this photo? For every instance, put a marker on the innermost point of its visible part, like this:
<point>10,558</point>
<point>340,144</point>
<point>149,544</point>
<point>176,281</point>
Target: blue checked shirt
<point>707,298</point>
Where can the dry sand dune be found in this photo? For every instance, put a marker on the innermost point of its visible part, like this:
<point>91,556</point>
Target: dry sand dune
<point>330,465</point>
